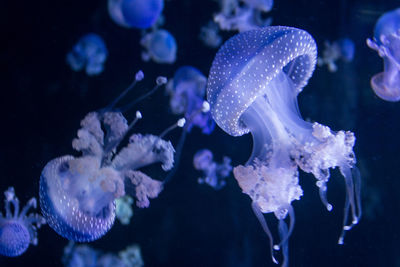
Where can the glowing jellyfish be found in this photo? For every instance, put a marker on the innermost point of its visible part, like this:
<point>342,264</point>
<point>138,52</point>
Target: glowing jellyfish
<point>141,14</point>
<point>214,173</point>
<point>252,87</point>
<point>86,256</point>
<point>386,42</point>
<point>187,91</point>
<point>244,16</point>
<point>340,49</point>
<point>160,46</point>
<point>89,54</point>
<point>77,193</point>
<point>18,229</point>
<point>209,35</point>
<point>123,209</point>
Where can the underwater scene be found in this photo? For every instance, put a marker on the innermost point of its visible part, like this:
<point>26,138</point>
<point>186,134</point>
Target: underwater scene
<point>200,133</point>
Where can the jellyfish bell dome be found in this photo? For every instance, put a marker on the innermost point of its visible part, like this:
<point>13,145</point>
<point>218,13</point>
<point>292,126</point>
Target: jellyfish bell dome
<point>141,14</point>
<point>248,62</point>
<point>63,208</point>
<point>387,24</point>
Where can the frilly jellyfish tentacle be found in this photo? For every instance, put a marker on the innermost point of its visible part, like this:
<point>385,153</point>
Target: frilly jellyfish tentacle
<point>253,86</point>
<point>17,229</point>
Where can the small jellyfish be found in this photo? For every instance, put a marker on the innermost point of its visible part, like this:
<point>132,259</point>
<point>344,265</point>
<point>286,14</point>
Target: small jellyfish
<point>18,229</point>
<point>252,87</point>
<point>340,49</point>
<point>123,209</point>
<point>209,35</point>
<point>160,46</point>
<point>187,91</point>
<point>86,256</point>
<point>244,16</point>
<point>90,54</point>
<point>386,42</point>
<point>141,14</point>
<point>77,193</point>
<point>214,173</point>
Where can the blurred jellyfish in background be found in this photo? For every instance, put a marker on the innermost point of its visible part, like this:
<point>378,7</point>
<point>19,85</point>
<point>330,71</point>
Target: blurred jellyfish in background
<point>141,14</point>
<point>209,35</point>
<point>214,173</point>
<point>252,87</point>
<point>340,49</point>
<point>187,90</point>
<point>77,194</point>
<point>386,42</point>
<point>160,46</point>
<point>18,229</point>
<point>86,256</point>
<point>123,209</point>
<point>89,54</point>
<point>243,15</point>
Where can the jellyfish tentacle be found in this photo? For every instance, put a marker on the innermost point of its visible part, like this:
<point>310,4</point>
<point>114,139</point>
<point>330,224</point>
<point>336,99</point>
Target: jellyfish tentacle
<point>264,225</point>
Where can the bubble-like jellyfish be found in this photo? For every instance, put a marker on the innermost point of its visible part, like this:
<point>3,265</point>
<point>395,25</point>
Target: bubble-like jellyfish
<point>141,14</point>
<point>160,46</point>
<point>86,256</point>
<point>245,16</point>
<point>123,209</point>
<point>77,193</point>
<point>252,87</point>
<point>214,173</point>
<point>339,49</point>
<point>209,35</point>
<point>187,90</point>
<point>89,54</point>
<point>386,42</point>
<point>18,229</point>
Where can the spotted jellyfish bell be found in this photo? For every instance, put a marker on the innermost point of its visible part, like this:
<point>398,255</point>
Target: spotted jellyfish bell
<point>252,87</point>
<point>77,194</point>
<point>18,229</point>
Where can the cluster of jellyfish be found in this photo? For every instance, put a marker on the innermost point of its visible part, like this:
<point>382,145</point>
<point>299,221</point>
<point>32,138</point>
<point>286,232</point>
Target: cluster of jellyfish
<point>252,87</point>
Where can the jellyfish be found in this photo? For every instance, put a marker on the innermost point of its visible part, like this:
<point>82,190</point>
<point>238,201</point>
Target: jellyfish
<point>160,46</point>
<point>386,42</point>
<point>77,194</point>
<point>86,256</point>
<point>90,54</point>
<point>244,16</point>
<point>141,14</point>
<point>187,91</point>
<point>18,229</point>
<point>339,49</point>
<point>123,209</point>
<point>209,35</point>
<point>214,173</point>
<point>252,87</point>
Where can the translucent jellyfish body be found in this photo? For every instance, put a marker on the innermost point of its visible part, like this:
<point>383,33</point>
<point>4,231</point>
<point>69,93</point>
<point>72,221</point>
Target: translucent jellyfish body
<point>340,49</point>
<point>243,16</point>
<point>386,42</point>
<point>160,46</point>
<point>89,54</point>
<point>141,14</point>
<point>77,193</point>
<point>18,229</point>
<point>214,173</point>
<point>123,209</point>
<point>187,91</point>
<point>252,87</point>
<point>86,256</point>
